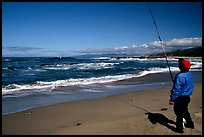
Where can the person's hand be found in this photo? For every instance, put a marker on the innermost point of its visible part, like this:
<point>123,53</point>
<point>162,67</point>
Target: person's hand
<point>171,102</point>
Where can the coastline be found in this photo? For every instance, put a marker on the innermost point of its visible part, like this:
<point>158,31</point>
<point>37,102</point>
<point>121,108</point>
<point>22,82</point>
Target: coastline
<point>121,114</point>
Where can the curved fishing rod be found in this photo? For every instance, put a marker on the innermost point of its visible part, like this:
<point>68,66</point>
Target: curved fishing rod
<point>160,40</point>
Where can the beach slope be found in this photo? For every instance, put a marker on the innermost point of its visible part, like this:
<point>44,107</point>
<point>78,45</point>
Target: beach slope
<point>135,113</point>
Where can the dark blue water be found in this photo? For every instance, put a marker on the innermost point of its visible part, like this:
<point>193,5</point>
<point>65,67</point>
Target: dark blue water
<point>35,79</point>
<point>38,73</point>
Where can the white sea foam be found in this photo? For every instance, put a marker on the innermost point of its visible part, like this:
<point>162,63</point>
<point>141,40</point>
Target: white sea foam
<point>91,90</point>
<point>134,59</point>
<point>6,68</point>
<point>48,86</point>
<point>6,60</point>
<point>82,66</point>
<point>102,58</point>
<point>196,65</point>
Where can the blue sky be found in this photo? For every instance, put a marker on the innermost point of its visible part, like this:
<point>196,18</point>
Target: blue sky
<point>74,28</point>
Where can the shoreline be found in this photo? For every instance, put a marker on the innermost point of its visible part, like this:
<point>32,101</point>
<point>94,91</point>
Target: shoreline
<point>20,103</point>
<point>118,114</point>
<point>154,81</point>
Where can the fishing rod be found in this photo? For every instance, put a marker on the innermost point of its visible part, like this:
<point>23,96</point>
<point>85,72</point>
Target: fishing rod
<point>160,40</point>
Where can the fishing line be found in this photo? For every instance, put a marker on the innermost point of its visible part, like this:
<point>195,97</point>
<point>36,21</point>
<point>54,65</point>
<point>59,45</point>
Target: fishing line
<point>160,40</point>
<point>133,105</point>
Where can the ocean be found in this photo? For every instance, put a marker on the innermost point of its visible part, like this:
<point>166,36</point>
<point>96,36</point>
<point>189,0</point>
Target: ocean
<point>29,82</point>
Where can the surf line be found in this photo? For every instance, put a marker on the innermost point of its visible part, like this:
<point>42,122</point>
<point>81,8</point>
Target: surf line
<point>160,40</point>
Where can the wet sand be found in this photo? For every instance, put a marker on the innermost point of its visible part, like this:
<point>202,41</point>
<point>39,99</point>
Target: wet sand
<point>123,114</point>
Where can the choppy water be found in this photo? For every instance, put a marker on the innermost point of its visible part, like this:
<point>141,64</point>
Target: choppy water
<point>35,76</point>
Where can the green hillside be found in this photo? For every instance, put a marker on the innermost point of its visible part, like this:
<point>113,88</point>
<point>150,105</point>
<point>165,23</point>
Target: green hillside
<point>192,52</point>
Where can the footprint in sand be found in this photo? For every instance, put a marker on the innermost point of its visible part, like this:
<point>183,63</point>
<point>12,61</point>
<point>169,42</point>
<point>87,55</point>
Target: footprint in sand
<point>78,124</point>
<point>164,109</point>
<point>28,112</point>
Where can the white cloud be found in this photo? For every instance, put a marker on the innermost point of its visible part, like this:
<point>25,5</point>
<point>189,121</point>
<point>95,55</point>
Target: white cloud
<point>150,48</point>
<point>145,46</point>
<point>173,44</point>
<point>119,48</point>
<point>185,42</point>
<point>124,47</point>
<point>144,49</point>
<point>156,43</point>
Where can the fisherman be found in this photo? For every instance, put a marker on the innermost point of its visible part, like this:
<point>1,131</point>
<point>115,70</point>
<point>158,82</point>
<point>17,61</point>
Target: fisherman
<point>183,86</point>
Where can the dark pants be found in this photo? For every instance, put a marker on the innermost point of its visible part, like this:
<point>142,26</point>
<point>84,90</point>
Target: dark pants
<point>181,111</point>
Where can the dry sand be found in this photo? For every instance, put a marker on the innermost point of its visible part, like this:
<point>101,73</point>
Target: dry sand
<point>123,114</point>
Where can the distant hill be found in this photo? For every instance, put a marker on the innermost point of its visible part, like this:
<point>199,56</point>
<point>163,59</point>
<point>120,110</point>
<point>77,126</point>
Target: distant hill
<point>103,55</point>
<point>192,52</point>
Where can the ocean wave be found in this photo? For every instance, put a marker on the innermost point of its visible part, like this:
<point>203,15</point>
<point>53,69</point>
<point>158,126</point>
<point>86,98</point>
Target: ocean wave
<point>5,68</point>
<point>48,86</point>
<point>6,60</point>
<point>134,59</point>
<point>81,66</point>
<point>196,64</point>
<point>40,86</point>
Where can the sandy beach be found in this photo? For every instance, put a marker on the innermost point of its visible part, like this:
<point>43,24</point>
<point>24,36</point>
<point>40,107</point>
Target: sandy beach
<point>135,113</point>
